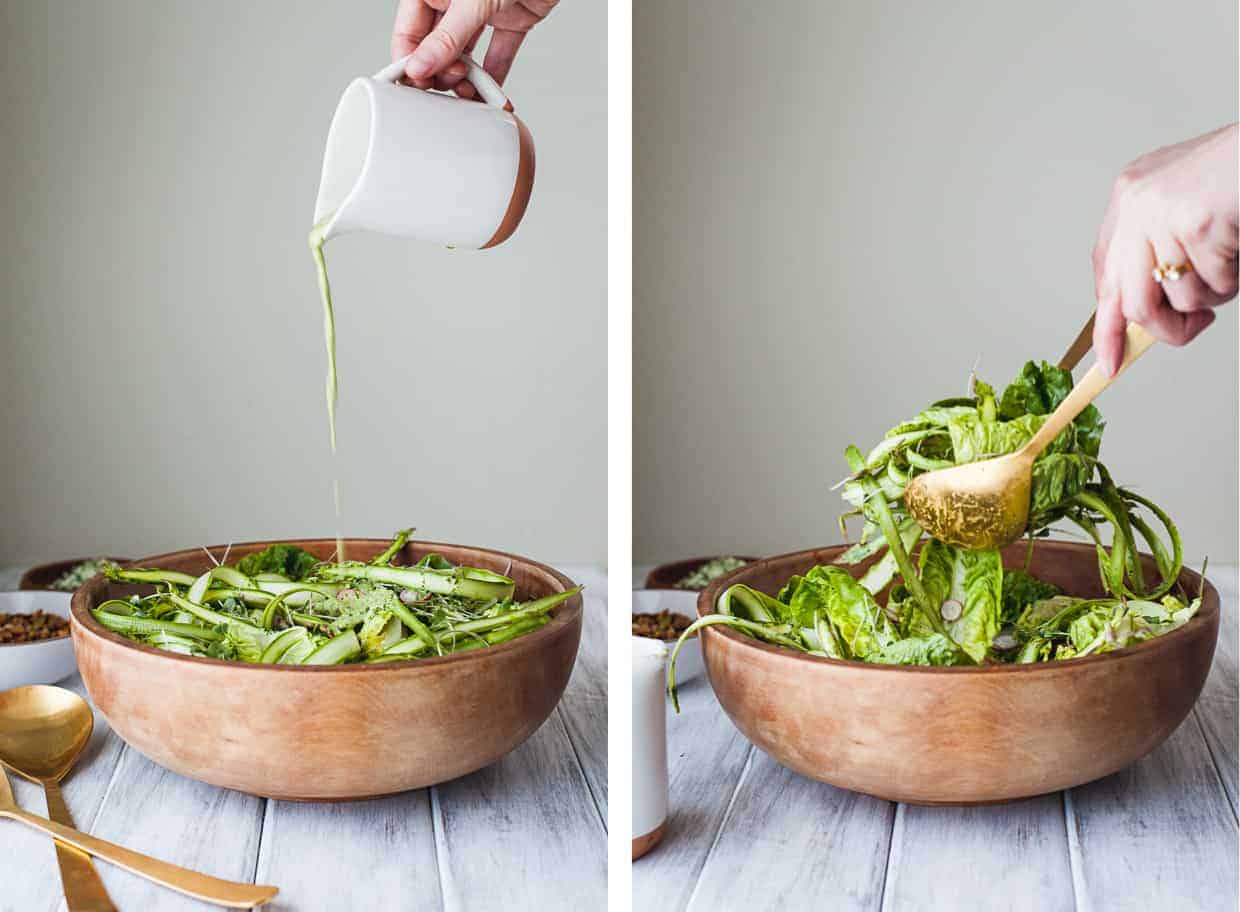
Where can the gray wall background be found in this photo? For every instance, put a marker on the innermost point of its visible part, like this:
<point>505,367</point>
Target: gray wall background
<point>162,349</point>
<point>838,207</point>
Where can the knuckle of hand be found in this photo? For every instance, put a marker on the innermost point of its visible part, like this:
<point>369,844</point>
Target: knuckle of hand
<point>1220,274</point>
<point>1187,301</point>
<point>446,42</point>
<point>1198,226</point>
<point>1126,181</point>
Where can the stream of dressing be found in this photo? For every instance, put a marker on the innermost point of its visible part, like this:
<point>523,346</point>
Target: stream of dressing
<point>317,240</point>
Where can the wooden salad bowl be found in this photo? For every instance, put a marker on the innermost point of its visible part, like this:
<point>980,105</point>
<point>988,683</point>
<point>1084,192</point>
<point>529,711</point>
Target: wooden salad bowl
<point>666,576</point>
<point>42,576</point>
<point>334,732</point>
<point>959,735</point>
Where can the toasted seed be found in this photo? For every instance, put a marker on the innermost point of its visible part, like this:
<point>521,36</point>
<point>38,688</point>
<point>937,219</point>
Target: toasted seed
<point>665,625</point>
<point>29,628</point>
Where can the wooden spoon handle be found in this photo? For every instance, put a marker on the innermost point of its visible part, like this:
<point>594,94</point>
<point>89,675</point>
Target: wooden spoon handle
<point>1086,391</point>
<point>191,883</point>
<point>1080,345</point>
<point>84,890</point>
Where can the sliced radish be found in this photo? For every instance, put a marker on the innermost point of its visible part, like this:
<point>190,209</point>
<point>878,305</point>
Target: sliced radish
<point>951,610</point>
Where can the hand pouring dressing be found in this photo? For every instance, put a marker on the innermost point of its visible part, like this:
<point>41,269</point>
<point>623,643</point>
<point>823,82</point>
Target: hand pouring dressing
<point>418,164</point>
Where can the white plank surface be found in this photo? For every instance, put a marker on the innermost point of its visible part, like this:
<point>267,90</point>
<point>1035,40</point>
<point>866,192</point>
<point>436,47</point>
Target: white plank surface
<point>526,833</point>
<point>1217,709</point>
<point>1010,856</point>
<point>151,810</point>
<point>584,707</point>
<point>1158,835</point>
<point>744,833</point>
<point>705,758</point>
<point>352,855</point>
<point>790,842</point>
<point>524,829</point>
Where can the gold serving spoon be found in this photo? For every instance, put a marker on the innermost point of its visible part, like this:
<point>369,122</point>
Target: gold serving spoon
<point>1083,342</point>
<point>41,731</point>
<point>985,504</point>
<point>61,722</point>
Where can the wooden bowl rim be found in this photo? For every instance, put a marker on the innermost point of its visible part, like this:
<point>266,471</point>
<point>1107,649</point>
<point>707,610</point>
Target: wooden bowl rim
<point>1208,612</point>
<point>27,584</point>
<point>689,564</point>
<point>82,623</point>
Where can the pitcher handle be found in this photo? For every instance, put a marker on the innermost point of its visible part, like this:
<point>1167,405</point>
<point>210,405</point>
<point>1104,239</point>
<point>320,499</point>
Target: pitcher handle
<point>487,87</point>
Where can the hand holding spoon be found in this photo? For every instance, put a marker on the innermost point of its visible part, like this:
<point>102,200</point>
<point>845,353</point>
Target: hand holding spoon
<point>41,730</point>
<point>985,504</point>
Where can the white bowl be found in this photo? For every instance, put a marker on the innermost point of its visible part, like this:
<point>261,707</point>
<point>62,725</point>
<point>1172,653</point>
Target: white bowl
<point>689,664</point>
<point>41,662</point>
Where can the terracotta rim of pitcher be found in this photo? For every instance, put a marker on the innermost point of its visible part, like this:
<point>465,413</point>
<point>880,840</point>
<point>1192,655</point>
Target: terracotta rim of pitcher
<point>521,189</point>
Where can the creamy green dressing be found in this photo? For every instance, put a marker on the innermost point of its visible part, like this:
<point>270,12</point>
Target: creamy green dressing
<point>317,240</point>
<point>318,237</point>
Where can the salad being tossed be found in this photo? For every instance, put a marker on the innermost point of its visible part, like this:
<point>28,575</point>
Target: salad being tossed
<point>924,602</point>
<point>284,606</point>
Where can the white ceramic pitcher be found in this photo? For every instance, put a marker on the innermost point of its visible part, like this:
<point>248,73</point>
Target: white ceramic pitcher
<point>649,743</point>
<point>425,165</point>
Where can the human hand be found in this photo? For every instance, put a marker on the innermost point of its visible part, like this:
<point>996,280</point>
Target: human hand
<point>1177,205</point>
<point>437,32</point>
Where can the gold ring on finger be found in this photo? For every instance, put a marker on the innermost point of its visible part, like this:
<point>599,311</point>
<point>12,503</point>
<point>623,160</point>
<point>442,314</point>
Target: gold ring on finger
<point>1170,272</point>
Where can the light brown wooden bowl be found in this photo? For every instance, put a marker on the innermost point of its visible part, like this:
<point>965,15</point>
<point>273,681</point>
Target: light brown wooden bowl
<point>959,735</point>
<point>337,732</point>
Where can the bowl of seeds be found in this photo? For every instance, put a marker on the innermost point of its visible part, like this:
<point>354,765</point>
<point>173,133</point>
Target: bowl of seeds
<point>35,647</point>
<point>663,614</point>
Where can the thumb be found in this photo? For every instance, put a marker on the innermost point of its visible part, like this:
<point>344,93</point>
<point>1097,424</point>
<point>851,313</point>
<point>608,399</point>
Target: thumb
<point>447,42</point>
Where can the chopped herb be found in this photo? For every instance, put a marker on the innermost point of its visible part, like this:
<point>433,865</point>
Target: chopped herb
<point>710,571</point>
<point>74,577</point>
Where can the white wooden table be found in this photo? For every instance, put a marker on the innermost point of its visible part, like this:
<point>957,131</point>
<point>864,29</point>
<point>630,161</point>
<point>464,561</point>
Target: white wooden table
<point>746,833</point>
<point>528,832</point>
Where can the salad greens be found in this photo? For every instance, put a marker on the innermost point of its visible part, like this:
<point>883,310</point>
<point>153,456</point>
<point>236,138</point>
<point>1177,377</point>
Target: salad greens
<point>283,606</point>
<point>923,602</point>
